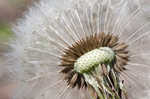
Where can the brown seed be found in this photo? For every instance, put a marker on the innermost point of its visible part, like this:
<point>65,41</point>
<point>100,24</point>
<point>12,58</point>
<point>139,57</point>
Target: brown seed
<point>120,47</point>
<point>74,78</point>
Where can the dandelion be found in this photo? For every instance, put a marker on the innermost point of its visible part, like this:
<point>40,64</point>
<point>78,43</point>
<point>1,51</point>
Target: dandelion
<point>82,50</point>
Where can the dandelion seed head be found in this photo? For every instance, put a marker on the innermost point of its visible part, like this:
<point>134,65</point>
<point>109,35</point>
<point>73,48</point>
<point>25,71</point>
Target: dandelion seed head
<point>54,35</point>
<point>90,52</point>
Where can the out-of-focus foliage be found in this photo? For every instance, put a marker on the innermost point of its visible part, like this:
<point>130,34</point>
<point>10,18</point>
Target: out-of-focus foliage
<point>10,10</point>
<point>5,32</point>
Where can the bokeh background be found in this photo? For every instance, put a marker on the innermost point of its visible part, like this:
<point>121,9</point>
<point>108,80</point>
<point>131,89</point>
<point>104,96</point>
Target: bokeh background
<point>10,11</point>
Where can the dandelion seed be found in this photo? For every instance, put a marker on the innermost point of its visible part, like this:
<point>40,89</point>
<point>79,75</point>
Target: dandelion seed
<point>98,46</point>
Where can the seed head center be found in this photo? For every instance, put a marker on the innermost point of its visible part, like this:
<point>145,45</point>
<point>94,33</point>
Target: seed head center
<point>91,59</point>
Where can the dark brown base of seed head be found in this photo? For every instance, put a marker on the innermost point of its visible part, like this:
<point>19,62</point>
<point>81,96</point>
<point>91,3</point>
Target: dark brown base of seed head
<point>79,48</point>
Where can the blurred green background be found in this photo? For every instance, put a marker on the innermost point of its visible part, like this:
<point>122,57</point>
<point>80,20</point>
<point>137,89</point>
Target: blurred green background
<point>10,10</point>
<point>5,32</point>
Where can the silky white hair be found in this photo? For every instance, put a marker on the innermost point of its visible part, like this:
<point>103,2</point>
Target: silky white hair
<point>51,25</point>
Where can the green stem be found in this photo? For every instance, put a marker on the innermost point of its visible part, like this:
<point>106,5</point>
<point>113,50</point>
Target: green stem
<point>109,86</point>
